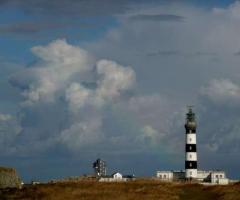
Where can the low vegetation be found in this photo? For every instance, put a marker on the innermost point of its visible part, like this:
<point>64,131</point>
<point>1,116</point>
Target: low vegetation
<point>136,190</point>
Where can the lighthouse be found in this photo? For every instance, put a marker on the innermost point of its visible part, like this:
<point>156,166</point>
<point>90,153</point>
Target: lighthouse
<point>191,169</point>
<point>191,146</point>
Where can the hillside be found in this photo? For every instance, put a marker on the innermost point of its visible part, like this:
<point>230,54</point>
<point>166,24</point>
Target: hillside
<point>88,190</point>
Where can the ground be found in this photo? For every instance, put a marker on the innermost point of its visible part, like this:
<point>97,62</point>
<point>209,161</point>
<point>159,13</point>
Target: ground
<point>136,190</point>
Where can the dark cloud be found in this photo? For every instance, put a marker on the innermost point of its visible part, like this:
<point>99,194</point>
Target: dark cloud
<point>163,53</point>
<point>237,53</point>
<point>37,27</point>
<point>29,27</point>
<point>178,53</point>
<point>72,7</point>
<point>158,17</point>
<point>204,53</point>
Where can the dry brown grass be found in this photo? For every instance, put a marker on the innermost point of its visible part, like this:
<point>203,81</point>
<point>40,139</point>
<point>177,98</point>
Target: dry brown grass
<point>228,192</point>
<point>137,190</point>
<point>7,169</point>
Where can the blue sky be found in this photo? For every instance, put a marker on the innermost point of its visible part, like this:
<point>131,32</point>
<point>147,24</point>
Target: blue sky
<point>81,80</point>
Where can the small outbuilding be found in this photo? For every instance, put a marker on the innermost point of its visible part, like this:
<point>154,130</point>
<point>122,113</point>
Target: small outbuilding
<point>117,176</point>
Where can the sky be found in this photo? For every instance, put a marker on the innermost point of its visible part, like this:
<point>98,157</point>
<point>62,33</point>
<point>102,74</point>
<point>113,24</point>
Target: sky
<point>112,79</point>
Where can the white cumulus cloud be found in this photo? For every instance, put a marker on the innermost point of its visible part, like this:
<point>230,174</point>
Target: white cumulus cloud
<point>58,63</point>
<point>112,80</point>
<point>82,134</point>
<point>222,91</point>
<point>59,82</point>
<point>115,78</point>
<point>5,117</point>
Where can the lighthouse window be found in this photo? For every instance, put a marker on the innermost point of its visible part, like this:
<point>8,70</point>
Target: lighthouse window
<point>190,147</point>
<point>190,164</point>
<point>190,139</point>
<point>190,156</point>
<point>165,176</point>
<point>190,173</point>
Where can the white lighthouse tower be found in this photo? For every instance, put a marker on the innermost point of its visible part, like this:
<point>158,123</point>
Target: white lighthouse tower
<point>191,146</point>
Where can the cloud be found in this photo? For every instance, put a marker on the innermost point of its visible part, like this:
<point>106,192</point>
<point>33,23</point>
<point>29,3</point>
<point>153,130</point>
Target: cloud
<point>9,125</point>
<point>157,18</point>
<point>77,96</point>
<point>59,84</point>
<point>204,73</point>
<point>237,53</point>
<point>82,134</point>
<point>164,53</point>
<point>75,101</point>
<point>5,117</point>
<point>115,79</point>
<point>73,8</point>
<point>231,12</point>
<point>45,28</point>
<point>219,117</point>
<point>58,63</point>
<point>150,135</point>
<point>10,129</point>
<point>159,119</point>
<point>222,92</point>
<point>29,27</point>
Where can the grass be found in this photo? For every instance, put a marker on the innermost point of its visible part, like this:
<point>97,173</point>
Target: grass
<point>137,190</point>
<point>197,192</point>
<point>8,170</point>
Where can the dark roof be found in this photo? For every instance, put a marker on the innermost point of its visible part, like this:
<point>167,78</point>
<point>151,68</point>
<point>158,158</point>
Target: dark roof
<point>129,176</point>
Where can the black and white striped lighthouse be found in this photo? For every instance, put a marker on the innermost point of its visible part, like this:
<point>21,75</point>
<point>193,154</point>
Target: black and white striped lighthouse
<point>191,146</point>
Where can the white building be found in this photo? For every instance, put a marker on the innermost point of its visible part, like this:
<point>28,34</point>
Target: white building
<point>117,177</point>
<point>165,175</point>
<point>171,175</point>
<point>219,177</point>
<point>211,177</point>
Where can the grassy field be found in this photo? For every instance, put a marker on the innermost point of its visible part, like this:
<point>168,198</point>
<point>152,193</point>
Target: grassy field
<point>137,190</point>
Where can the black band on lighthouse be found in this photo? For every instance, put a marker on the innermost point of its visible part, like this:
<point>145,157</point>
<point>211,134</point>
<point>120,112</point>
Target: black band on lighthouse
<point>189,131</point>
<point>190,164</point>
<point>191,148</point>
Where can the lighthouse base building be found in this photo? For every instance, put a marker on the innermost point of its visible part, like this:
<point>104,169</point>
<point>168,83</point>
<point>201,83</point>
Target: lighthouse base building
<point>207,177</point>
<point>191,172</point>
